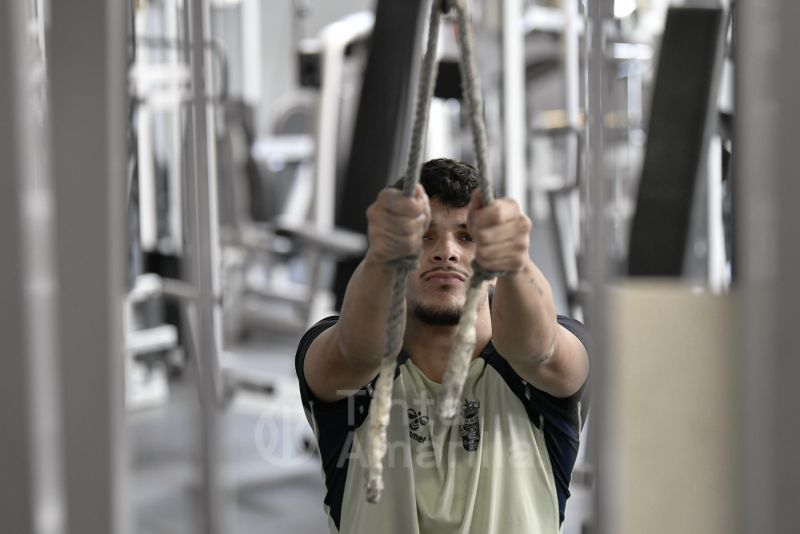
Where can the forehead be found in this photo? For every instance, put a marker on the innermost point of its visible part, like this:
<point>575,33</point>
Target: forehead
<point>447,216</point>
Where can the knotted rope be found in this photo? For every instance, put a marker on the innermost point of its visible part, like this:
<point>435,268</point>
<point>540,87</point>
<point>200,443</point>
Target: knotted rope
<point>460,356</point>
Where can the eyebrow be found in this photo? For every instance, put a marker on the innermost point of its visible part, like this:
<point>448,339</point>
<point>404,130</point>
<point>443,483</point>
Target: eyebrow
<point>462,226</point>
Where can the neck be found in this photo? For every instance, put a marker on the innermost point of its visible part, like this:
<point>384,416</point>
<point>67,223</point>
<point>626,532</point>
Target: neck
<point>429,346</point>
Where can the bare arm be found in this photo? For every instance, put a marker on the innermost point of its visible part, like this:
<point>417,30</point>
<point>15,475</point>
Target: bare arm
<point>347,356</point>
<point>527,334</point>
<point>524,325</point>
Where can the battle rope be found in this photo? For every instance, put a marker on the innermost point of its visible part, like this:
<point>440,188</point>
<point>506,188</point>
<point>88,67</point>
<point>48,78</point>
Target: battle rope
<point>465,338</point>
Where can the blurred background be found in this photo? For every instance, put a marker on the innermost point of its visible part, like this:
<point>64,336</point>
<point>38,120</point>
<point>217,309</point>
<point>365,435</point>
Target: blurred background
<point>183,193</point>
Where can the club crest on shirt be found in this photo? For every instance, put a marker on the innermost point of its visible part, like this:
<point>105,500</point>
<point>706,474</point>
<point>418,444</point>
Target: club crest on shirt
<point>470,428</point>
<point>415,421</point>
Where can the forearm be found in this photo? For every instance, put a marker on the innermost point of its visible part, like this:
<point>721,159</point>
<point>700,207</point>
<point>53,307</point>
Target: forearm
<point>362,325</point>
<point>524,325</point>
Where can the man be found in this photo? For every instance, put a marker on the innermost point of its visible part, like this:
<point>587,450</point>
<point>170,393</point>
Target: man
<point>503,464</point>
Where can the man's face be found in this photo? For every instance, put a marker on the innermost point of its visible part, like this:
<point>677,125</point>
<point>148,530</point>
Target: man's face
<point>436,291</point>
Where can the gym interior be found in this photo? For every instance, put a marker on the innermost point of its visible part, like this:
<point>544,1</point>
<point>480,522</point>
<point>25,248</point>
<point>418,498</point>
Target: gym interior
<point>184,189</point>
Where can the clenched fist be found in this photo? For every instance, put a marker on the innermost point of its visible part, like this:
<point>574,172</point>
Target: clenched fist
<point>396,224</point>
<point>501,233</point>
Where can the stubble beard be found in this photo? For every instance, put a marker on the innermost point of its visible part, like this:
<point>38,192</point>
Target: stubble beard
<point>437,317</point>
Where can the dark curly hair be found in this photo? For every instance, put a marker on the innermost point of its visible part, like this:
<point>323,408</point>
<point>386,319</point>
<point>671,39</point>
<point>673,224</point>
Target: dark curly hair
<point>451,182</point>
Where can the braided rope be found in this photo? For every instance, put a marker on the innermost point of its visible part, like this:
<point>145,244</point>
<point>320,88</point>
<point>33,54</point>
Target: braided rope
<point>381,403</point>
<point>461,354</point>
<point>458,364</point>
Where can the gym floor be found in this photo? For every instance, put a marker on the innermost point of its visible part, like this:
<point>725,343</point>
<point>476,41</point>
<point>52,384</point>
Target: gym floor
<point>275,483</point>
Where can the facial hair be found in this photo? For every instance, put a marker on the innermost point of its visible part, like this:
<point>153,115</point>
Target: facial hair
<point>435,317</point>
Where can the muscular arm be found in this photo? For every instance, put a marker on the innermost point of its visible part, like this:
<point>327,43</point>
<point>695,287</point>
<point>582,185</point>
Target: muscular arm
<point>347,356</point>
<point>525,331</point>
<point>524,325</point>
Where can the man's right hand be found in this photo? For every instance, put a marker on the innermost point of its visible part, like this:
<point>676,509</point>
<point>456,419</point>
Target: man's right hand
<point>396,224</point>
<point>348,355</point>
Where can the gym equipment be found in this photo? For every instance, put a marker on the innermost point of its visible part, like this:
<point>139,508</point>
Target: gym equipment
<point>384,118</point>
<point>279,237</point>
<point>680,127</point>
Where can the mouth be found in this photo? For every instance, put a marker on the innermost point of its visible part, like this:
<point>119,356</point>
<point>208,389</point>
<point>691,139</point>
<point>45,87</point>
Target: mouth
<point>441,275</point>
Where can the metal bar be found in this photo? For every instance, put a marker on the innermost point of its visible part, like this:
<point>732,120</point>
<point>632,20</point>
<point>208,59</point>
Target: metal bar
<point>202,261</point>
<point>514,103</point>
<point>171,32</point>
<point>595,192</point>
<point>88,91</point>
<point>716,261</point>
<point>768,256</point>
<point>571,40</point>
<point>252,62</point>
<point>31,488</point>
<point>335,39</point>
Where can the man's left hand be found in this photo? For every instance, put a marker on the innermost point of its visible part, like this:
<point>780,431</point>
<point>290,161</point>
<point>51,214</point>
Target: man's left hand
<point>501,233</point>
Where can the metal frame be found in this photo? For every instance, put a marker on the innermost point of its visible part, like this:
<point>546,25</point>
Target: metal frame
<point>88,88</point>
<point>202,315</point>
<point>514,105</point>
<point>334,39</point>
<point>596,196</point>
<point>31,488</point>
<point>768,256</point>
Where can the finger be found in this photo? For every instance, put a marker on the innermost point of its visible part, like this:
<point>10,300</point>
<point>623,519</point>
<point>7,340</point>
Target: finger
<point>501,211</point>
<point>397,204</point>
<point>419,192</point>
<point>501,250</point>
<point>516,229</point>
<point>508,264</point>
<point>475,204</point>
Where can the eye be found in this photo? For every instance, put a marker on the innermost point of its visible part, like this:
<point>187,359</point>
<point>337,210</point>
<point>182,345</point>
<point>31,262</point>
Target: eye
<point>426,237</point>
<point>467,238</point>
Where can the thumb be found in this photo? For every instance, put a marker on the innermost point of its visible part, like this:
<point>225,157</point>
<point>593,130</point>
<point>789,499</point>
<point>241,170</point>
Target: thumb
<point>475,203</point>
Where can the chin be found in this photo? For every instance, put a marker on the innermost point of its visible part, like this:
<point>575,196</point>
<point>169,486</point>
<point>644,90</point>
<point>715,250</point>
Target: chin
<point>437,316</point>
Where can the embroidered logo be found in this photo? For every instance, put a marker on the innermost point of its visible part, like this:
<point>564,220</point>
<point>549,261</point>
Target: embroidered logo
<point>470,428</point>
<point>415,421</point>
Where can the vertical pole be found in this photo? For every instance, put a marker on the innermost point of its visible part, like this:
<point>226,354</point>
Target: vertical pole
<point>252,63</point>
<point>514,103</point>
<point>31,488</point>
<point>768,254</point>
<point>88,90</point>
<point>596,197</point>
<point>202,254</point>
<point>571,39</point>
<point>172,33</point>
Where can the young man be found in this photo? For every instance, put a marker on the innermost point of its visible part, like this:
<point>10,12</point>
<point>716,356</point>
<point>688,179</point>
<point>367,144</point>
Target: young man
<point>504,463</point>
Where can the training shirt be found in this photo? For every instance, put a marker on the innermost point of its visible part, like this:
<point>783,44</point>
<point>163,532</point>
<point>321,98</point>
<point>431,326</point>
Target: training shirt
<point>501,466</point>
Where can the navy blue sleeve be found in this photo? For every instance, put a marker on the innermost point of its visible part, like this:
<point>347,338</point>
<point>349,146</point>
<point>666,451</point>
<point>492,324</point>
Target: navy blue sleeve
<point>334,423</point>
<point>561,419</point>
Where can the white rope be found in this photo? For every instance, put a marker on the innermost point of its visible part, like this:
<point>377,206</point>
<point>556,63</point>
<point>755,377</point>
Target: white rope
<point>455,375</point>
<point>461,354</point>
<point>381,402</point>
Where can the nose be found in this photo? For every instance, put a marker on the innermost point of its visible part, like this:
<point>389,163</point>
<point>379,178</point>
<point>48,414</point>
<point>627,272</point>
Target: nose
<point>445,250</point>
